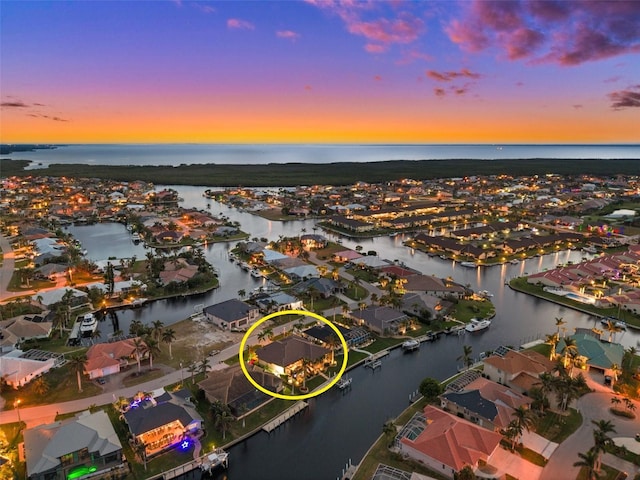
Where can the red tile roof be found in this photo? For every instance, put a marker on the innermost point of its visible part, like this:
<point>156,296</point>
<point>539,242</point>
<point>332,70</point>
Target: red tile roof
<point>452,440</point>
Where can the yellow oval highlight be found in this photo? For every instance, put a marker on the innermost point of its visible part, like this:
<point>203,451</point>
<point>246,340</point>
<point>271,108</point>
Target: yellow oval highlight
<point>306,314</point>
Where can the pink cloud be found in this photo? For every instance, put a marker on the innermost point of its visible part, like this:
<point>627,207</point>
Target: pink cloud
<point>625,98</point>
<point>288,34</point>
<point>362,18</point>
<point>237,24</point>
<point>377,78</point>
<point>439,92</point>
<point>549,31</point>
<point>404,29</point>
<point>375,48</point>
<point>448,76</point>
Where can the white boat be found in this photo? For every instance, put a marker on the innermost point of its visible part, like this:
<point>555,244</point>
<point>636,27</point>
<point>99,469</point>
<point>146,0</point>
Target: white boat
<point>217,458</point>
<point>256,273</point>
<point>590,249</point>
<point>410,345</point>
<point>135,237</point>
<point>88,324</point>
<point>476,325</point>
<point>468,264</point>
<point>485,293</point>
<point>344,383</point>
<point>514,262</point>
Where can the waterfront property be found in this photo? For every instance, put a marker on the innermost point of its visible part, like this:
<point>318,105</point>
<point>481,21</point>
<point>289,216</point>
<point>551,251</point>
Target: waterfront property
<point>162,421</point>
<point>519,370</point>
<point>231,387</point>
<point>72,448</point>
<point>594,353</point>
<point>232,314</point>
<point>381,319</point>
<point>484,402</point>
<point>290,355</point>
<point>446,443</point>
<point>15,330</point>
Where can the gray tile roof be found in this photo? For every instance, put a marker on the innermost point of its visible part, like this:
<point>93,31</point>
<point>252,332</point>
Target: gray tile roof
<point>230,310</point>
<point>289,350</point>
<point>474,402</point>
<point>45,444</point>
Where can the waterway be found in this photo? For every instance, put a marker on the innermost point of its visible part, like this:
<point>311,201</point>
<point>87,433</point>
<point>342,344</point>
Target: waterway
<point>339,426</point>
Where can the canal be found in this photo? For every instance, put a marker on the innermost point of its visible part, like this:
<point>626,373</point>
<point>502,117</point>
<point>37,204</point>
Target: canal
<point>339,426</point>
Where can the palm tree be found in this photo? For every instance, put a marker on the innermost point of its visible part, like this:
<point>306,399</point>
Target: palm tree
<point>41,387</point>
<point>546,385</point>
<point>553,340</point>
<point>78,362</point>
<point>152,348</point>
<point>615,371</point>
<point>204,365</point>
<point>559,323</point>
<point>156,329</point>
<point>192,368</point>
<point>612,328</point>
<point>223,420</point>
<point>140,449</point>
<point>168,336</point>
<point>138,349</point>
<point>523,421</point>
<point>513,432</point>
<point>601,439</point>
<point>467,361</point>
<point>589,461</point>
<point>569,346</point>
<point>615,401</point>
<point>332,343</point>
<point>389,430</point>
<point>242,293</point>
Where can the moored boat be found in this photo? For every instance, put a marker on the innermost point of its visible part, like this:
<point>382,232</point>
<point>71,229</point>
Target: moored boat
<point>468,264</point>
<point>410,345</point>
<point>344,383</point>
<point>88,324</point>
<point>476,325</point>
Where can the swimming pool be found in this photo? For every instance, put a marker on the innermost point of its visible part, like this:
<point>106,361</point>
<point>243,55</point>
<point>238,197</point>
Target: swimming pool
<point>580,298</point>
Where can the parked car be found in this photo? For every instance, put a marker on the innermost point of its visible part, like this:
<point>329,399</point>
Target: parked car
<point>608,379</point>
<point>101,380</point>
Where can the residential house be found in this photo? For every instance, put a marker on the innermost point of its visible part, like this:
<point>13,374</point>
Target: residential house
<point>108,358</point>
<point>277,301</point>
<point>432,285</point>
<point>162,421</point>
<point>19,368</point>
<point>446,443</point>
<point>324,286</point>
<point>84,446</point>
<point>231,387</point>
<point>25,327</point>
<point>313,241</point>
<point>381,319</point>
<point>519,370</point>
<point>48,298</point>
<point>595,354</point>
<point>285,356</point>
<point>484,402</point>
<point>232,314</point>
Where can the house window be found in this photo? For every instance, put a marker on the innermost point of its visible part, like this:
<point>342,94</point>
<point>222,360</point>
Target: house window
<point>66,459</point>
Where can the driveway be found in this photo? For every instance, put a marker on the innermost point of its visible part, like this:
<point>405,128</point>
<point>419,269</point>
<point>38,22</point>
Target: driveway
<point>592,406</point>
<point>511,463</point>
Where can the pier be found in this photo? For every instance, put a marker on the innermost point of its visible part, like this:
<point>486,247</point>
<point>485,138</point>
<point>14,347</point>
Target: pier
<point>279,420</point>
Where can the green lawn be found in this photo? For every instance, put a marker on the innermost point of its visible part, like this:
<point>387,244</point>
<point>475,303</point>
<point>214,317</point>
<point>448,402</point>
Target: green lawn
<point>557,428</point>
<point>382,343</point>
<point>465,310</point>
<point>522,285</point>
<point>607,473</point>
<point>542,348</point>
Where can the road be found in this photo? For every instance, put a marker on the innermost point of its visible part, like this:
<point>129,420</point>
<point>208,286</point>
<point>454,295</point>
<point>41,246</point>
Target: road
<point>6,270</point>
<point>43,414</point>
<point>592,406</point>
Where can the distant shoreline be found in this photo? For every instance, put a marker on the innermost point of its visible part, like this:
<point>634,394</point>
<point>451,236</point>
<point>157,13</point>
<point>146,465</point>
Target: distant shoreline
<point>339,173</point>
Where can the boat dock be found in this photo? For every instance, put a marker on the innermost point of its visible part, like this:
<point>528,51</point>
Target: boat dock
<point>373,363</point>
<point>195,464</point>
<point>74,336</point>
<point>280,419</point>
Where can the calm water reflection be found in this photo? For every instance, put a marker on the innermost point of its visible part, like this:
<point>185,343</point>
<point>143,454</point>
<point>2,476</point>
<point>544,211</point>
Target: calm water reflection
<point>340,426</point>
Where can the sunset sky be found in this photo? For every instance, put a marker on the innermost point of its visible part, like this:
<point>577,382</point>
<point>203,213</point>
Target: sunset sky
<point>320,71</point>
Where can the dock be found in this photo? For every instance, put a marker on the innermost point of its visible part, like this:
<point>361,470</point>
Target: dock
<point>280,419</point>
<point>373,363</point>
<point>205,462</point>
<point>74,336</point>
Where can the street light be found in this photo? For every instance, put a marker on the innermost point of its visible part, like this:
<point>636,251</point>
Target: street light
<point>16,405</point>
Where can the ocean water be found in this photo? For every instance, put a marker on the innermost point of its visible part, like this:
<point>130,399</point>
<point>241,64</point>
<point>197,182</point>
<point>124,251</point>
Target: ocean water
<point>177,154</point>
